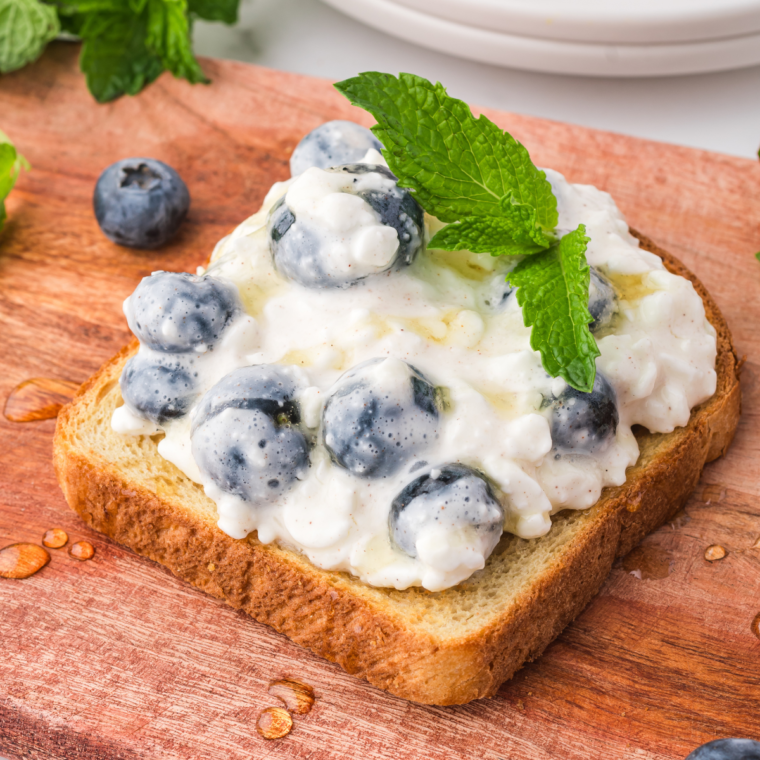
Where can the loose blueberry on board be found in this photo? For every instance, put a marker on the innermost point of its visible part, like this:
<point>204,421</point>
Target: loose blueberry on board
<point>157,390</point>
<point>179,312</point>
<point>727,749</point>
<point>331,144</point>
<point>378,415</point>
<point>140,202</point>
<point>302,254</point>
<point>602,301</point>
<point>584,422</point>
<point>454,497</point>
<point>245,436</point>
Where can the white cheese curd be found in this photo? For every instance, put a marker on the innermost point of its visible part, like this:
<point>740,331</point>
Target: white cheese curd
<point>446,322</point>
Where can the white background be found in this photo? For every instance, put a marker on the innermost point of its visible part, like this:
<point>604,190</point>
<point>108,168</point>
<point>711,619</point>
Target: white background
<point>719,112</point>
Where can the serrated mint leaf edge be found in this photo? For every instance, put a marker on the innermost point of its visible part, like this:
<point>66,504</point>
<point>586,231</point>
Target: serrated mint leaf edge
<point>581,371</point>
<point>494,235</point>
<point>417,168</point>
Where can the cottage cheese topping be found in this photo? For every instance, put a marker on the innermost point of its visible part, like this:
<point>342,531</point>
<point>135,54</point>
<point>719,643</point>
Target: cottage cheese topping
<point>490,440</point>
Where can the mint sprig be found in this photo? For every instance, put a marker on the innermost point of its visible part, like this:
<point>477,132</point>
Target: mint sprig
<point>26,27</point>
<point>127,43</point>
<point>457,165</point>
<point>478,179</point>
<point>552,289</point>
<point>11,164</point>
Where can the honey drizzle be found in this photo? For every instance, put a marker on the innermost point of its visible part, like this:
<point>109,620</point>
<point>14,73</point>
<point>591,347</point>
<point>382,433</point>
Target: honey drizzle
<point>39,398</point>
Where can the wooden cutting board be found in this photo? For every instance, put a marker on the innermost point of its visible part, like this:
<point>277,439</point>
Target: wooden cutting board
<point>115,658</point>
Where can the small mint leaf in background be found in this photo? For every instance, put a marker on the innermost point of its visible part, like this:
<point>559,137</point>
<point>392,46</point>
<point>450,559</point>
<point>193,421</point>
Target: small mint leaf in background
<point>491,234</point>
<point>115,58</point>
<point>169,38</point>
<point>225,11</point>
<point>129,43</point>
<point>11,164</point>
<point>757,255</point>
<point>552,289</point>
<point>26,27</point>
<point>457,165</point>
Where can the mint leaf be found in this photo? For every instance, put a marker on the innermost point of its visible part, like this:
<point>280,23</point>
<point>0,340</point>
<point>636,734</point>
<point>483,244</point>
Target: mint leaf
<point>169,38</point>
<point>215,10</point>
<point>128,43</point>
<point>11,164</point>
<point>514,234</point>
<point>457,165</point>
<point>757,255</point>
<point>469,173</point>
<point>495,235</point>
<point>26,27</point>
<point>553,292</point>
<point>115,58</point>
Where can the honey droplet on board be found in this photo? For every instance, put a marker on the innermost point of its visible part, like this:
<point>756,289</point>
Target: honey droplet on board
<point>40,398</point>
<point>55,538</point>
<point>298,697</point>
<point>82,550</point>
<point>274,723</point>
<point>713,494</point>
<point>755,627</point>
<point>648,563</point>
<point>679,519</point>
<point>715,552</point>
<point>22,560</point>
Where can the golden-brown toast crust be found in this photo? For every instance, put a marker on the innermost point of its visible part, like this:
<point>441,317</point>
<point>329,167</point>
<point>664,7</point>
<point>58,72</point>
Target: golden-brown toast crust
<point>343,620</point>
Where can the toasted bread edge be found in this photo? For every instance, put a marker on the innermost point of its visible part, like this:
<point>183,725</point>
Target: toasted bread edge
<point>330,614</point>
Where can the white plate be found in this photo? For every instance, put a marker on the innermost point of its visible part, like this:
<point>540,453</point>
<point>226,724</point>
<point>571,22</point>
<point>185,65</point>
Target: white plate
<point>554,56</point>
<point>607,21</point>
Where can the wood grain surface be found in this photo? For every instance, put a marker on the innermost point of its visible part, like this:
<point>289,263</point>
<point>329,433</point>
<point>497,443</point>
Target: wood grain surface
<point>115,658</point>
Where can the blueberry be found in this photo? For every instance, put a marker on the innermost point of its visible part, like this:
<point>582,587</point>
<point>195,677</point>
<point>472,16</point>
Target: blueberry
<point>397,208</point>
<point>456,497</point>
<point>602,301</point>
<point>245,437</point>
<point>378,415</point>
<point>584,422</point>
<point>140,202</point>
<point>727,749</point>
<point>331,144</point>
<point>496,292</point>
<point>157,390</point>
<point>180,312</point>
<point>267,387</point>
<point>302,251</point>
<point>297,250</point>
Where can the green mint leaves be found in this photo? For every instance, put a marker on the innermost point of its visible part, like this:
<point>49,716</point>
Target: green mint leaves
<point>552,289</point>
<point>11,164</point>
<point>480,180</point>
<point>26,27</point>
<point>127,43</point>
<point>457,165</point>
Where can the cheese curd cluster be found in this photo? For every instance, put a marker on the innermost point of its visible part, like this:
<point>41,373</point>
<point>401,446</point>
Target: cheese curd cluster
<point>339,389</point>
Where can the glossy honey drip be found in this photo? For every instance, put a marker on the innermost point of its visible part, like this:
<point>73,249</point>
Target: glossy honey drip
<point>298,697</point>
<point>22,560</point>
<point>39,398</point>
<point>274,723</point>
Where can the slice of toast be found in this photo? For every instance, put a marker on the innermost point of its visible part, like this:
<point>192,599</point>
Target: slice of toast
<point>439,648</point>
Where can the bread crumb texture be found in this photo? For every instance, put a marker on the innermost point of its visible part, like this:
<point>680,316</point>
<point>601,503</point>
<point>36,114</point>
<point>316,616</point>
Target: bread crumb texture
<point>443,648</point>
